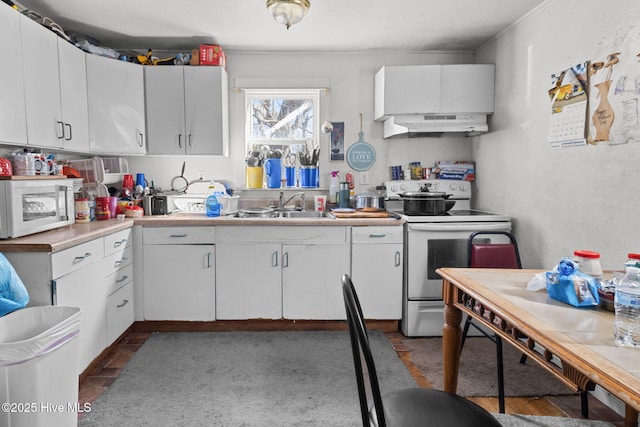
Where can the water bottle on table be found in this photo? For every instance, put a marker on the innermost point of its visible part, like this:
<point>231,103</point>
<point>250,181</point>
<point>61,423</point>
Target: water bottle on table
<point>626,326</point>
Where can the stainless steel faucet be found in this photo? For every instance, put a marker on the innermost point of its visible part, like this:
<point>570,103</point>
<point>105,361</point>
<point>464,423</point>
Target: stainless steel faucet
<point>282,203</point>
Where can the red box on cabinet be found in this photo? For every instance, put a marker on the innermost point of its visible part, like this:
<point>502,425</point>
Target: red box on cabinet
<point>212,54</point>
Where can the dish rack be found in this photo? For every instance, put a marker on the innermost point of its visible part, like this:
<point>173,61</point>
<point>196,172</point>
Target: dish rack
<point>98,172</point>
<point>193,200</point>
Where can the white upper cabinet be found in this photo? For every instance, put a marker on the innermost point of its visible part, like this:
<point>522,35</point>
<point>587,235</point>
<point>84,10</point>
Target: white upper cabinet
<point>55,89</point>
<point>187,110</point>
<point>73,91</point>
<point>13,122</point>
<point>45,127</point>
<point>425,89</point>
<point>116,106</point>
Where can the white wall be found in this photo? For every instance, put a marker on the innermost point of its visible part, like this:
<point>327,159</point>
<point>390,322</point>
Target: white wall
<point>583,198</point>
<point>351,80</point>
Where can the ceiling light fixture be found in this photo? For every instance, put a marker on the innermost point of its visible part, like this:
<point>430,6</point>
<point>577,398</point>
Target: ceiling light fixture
<point>288,12</point>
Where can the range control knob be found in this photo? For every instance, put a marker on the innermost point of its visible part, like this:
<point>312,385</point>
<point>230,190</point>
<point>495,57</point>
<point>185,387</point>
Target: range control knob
<point>453,186</point>
<point>463,187</point>
<point>403,187</point>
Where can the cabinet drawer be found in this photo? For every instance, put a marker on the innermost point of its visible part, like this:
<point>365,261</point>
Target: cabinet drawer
<point>178,235</point>
<point>119,278</point>
<point>282,234</point>
<point>71,259</point>
<point>118,240</point>
<point>391,234</point>
<point>119,312</point>
<point>117,261</point>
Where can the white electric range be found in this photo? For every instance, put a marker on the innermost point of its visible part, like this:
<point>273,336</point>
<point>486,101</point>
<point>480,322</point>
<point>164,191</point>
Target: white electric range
<point>434,241</point>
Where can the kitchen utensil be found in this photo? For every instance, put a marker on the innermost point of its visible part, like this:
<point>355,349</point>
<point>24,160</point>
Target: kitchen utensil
<point>273,169</point>
<point>369,202</point>
<point>424,203</point>
<point>180,183</point>
<point>254,176</point>
<point>308,176</point>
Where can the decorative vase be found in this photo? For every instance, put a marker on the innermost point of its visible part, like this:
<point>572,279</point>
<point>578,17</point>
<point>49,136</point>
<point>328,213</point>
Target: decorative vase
<point>603,116</point>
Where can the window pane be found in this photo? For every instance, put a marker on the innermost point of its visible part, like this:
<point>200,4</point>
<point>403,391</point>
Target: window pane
<point>285,119</point>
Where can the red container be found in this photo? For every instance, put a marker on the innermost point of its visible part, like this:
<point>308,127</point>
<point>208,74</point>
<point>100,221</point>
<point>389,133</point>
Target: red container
<point>102,208</point>
<point>212,54</point>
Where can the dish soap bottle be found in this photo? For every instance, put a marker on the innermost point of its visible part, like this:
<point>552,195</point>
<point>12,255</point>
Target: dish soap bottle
<point>334,187</point>
<point>212,206</point>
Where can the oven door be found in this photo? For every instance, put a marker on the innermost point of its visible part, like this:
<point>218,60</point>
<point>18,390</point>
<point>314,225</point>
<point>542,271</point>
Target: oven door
<point>430,246</point>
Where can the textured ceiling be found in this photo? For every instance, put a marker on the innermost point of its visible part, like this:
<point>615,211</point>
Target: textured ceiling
<point>246,25</point>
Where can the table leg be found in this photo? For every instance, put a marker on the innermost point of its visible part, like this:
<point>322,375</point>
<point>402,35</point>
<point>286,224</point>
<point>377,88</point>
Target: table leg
<point>630,416</point>
<point>451,336</point>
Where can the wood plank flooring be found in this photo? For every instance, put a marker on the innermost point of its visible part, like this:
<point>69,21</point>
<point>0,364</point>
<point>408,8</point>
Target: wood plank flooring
<point>105,371</point>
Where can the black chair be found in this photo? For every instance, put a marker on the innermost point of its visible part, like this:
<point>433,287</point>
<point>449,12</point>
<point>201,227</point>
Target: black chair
<point>492,255</point>
<point>406,407</point>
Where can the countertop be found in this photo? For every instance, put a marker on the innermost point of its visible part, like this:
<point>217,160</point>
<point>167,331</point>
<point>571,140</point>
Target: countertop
<point>71,235</point>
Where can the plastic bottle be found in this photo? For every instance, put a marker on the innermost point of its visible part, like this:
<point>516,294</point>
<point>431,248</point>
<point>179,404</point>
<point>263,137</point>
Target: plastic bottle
<point>91,200</point>
<point>212,206</point>
<point>626,326</point>
<point>633,260</point>
<point>334,187</point>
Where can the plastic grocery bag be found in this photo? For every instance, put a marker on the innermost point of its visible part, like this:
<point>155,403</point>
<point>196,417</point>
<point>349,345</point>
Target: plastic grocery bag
<point>571,286</point>
<point>13,294</point>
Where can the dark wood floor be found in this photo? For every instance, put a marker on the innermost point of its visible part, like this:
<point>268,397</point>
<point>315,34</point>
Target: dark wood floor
<point>102,375</point>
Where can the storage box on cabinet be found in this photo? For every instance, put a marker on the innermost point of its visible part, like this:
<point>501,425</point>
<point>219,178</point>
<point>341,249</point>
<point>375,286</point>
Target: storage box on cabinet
<point>376,270</point>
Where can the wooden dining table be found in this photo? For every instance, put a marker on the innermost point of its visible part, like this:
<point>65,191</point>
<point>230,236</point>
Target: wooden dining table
<point>577,345</point>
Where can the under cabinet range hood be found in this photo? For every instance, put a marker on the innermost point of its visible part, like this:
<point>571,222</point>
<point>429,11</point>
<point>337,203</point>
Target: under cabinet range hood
<point>434,100</point>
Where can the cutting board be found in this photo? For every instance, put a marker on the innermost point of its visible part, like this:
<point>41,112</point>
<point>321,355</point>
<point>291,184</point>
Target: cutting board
<point>358,214</point>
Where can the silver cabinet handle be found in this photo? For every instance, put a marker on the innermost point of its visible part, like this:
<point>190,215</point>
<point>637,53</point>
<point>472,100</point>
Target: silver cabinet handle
<point>179,235</point>
<point>274,259</point>
<point>179,140</point>
<point>68,126</point>
<point>398,258</point>
<point>285,260</point>
<point>124,302</point>
<point>189,140</point>
<point>121,261</point>
<point>125,277</point>
<point>377,236</point>
<point>60,134</point>
<point>119,243</point>
<point>81,258</point>
<point>208,259</point>
<point>140,139</point>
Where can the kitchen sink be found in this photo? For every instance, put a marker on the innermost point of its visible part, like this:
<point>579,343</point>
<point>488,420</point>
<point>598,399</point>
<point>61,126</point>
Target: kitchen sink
<point>302,214</point>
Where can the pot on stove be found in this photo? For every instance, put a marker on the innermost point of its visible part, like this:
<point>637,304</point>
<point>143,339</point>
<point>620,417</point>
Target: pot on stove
<point>426,203</point>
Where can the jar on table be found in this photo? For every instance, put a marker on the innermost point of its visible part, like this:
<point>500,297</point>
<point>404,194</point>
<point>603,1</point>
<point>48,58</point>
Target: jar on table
<point>589,262</point>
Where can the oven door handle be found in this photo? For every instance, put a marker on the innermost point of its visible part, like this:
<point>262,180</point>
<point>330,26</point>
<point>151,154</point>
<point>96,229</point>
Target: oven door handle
<point>465,226</point>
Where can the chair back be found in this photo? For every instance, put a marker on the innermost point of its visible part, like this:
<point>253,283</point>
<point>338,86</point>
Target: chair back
<point>362,356</point>
<point>493,255</point>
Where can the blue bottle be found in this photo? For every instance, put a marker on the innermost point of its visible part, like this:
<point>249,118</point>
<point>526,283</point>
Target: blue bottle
<point>212,206</point>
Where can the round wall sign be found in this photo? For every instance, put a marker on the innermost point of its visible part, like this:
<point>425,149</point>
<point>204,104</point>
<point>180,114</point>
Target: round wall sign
<point>361,155</point>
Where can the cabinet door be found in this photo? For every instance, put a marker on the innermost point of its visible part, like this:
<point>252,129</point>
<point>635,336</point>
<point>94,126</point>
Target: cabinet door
<point>248,281</point>
<point>311,281</point>
<point>85,288</point>
<point>376,272</point>
<point>179,282</point>
<point>467,88</point>
<point>164,99</point>
<point>13,122</point>
<point>45,127</point>
<point>115,90</point>
<point>206,108</point>
<point>73,97</point>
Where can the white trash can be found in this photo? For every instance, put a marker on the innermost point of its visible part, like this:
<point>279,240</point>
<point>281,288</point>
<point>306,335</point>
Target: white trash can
<point>38,367</point>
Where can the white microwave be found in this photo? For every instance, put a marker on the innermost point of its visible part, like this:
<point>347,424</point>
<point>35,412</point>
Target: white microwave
<point>30,206</point>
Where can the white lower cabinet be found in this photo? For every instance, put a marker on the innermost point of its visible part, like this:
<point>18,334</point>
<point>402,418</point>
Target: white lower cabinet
<point>179,273</point>
<point>376,270</point>
<point>91,276</point>
<point>281,272</point>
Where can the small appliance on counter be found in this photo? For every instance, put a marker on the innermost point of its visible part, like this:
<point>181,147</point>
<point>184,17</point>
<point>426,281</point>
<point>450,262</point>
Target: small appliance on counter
<point>31,204</point>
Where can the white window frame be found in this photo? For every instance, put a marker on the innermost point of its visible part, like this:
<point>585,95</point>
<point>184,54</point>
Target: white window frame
<point>251,94</point>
